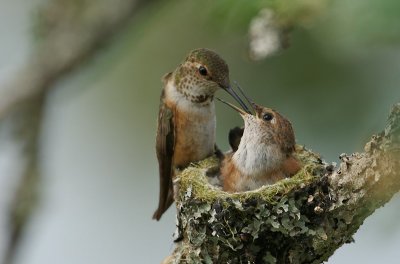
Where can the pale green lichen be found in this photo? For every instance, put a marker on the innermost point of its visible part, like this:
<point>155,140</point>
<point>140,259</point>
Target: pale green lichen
<point>303,219</point>
<point>217,222</point>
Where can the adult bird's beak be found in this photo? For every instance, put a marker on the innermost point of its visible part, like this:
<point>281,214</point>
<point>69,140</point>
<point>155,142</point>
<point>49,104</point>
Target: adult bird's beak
<point>232,92</point>
<point>251,102</point>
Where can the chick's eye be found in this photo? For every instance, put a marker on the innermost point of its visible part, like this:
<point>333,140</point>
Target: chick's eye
<point>268,117</point>
<point>202,70</point>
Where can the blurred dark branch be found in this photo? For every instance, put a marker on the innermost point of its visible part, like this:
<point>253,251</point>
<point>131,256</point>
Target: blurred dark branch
<point>21,128</point>
<point>68,33</point>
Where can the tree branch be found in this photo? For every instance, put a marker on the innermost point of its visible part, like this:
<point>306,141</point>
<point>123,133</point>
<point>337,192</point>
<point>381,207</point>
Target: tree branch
<point>303,219</point>
<point>68,33</point>
<point>19,173</point>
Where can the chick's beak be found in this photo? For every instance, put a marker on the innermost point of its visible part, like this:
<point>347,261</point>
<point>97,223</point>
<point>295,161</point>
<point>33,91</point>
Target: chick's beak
<point>241,112</point>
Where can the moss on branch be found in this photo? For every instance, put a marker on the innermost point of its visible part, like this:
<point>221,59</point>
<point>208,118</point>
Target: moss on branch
<point>303,219</point>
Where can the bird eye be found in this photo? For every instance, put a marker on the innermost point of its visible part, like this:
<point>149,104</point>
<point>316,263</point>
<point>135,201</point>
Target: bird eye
<point>268,117</point>
<point>203,70</point>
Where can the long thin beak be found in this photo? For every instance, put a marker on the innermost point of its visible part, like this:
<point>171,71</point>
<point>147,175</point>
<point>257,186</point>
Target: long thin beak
<point>237,98</point>
<point>251,102</point>
<point>234,107</point>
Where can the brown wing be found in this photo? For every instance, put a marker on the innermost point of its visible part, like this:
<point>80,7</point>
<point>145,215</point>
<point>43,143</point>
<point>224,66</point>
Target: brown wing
<point>165,142</point>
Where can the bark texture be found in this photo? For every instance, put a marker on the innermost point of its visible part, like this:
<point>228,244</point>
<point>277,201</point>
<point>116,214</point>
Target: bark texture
<point>299,220</point>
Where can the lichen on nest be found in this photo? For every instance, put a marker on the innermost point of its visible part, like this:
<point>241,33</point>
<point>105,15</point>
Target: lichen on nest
<point>250,225</point>
<point>303,219</point>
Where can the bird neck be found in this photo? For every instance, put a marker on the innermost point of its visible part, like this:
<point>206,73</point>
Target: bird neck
<point>180,101</point>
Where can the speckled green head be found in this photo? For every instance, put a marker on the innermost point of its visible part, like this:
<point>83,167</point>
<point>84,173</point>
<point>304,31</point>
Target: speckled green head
<point>210,66</point>
<point>201,74</point>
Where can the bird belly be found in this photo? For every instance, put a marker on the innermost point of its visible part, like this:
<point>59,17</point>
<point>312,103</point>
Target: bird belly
<point>195,135</point>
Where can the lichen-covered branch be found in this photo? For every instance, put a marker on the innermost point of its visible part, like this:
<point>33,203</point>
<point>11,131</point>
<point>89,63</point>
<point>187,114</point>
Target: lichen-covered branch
<point>303,219</point>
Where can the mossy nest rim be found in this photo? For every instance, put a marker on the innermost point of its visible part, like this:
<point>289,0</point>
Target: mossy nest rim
<point>193,181</point>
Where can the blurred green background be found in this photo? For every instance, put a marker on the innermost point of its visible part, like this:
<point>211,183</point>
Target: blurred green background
<point>336,83</point>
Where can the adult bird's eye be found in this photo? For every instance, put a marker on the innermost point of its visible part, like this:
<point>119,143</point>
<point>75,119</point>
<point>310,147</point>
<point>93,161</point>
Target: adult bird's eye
<point>203,70</point>
<point>268,117</point>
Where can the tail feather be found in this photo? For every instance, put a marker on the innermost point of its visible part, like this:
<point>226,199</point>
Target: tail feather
<point>162,207</point>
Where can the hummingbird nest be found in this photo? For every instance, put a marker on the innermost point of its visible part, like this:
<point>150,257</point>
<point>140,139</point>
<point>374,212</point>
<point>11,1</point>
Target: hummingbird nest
<point>302,219</point>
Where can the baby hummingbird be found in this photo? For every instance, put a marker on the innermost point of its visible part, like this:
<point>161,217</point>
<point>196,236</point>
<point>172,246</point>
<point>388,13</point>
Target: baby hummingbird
<point>264,154</point>
<point>186,120</point>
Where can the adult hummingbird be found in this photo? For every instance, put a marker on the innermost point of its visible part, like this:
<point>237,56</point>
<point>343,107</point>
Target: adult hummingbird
<point>186,120</point>
<point>265,151</point>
